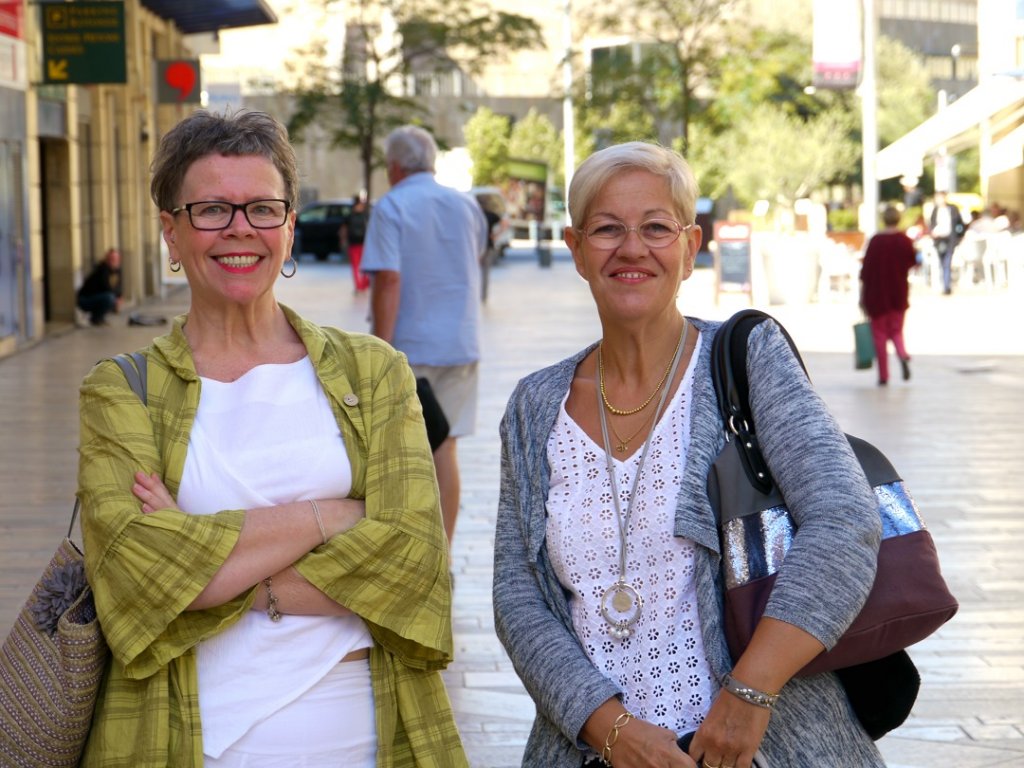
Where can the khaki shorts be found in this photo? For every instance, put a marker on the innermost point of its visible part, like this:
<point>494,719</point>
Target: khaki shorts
<point>455,388</point>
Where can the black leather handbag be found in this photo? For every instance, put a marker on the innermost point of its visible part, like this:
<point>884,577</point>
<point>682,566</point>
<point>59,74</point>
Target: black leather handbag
<point>909,599</point>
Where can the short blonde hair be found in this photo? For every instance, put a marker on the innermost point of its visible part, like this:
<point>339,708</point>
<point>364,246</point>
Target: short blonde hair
<point>598,169</point>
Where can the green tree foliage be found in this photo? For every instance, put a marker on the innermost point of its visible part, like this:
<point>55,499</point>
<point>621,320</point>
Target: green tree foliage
<point>487,141</point>
<point>534,137</point>
<point>905,96</point>
<point>622,121</point>
<point>779,156</point>
<point>361,100</point>
<point>765,65</point>
<point>686,40</point>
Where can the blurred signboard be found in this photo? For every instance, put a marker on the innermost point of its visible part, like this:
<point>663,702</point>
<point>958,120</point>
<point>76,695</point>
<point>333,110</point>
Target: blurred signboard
<point>84,43</point>
<point>837,44</point>
<point>526,189</point>
<point>177,82</point>
<point>13,59</point>
<point>10,18</point>
<point>732,256</point>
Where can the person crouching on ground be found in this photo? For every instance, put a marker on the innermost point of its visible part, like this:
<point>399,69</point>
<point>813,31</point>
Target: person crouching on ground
<point>100,293</point>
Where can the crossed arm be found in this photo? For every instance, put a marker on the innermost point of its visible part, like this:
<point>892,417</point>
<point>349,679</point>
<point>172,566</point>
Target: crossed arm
<point>271,539</point>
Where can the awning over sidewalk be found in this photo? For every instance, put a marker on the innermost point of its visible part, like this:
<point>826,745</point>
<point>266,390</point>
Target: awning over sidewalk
<point>192,16</point>
<point>954,128</point>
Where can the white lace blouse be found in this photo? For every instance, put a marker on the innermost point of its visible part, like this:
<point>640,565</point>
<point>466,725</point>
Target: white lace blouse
<point>662,666</point>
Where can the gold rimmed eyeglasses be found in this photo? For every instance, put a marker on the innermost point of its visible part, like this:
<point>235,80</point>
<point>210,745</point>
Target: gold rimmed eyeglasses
<point>654,233</point>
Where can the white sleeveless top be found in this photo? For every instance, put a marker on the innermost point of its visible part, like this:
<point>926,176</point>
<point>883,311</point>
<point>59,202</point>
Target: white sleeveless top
<point>662,667</point>
<point>268,438</point>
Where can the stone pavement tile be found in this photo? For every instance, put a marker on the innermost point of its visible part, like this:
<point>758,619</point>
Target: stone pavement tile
<point>994,732</point>
<point>931,751</point>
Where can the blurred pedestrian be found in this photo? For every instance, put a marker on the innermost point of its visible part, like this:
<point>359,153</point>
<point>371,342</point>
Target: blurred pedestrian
<point>946,226</point>
<point>608,575</point>
<point>100,293</point>
<point>263,539</point>
<point>352,234</point>
<point>424,244</point>
<point>885,290</point>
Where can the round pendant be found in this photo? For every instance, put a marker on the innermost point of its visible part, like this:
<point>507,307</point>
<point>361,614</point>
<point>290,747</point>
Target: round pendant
<point>621,606</point>
<point>622,602</point>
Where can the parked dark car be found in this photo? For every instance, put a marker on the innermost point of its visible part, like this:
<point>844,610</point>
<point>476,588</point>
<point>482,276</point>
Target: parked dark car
<point>316,228</point>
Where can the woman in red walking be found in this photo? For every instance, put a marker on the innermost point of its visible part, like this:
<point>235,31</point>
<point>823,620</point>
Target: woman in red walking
<point>352,234</point>
<point>884,295</point>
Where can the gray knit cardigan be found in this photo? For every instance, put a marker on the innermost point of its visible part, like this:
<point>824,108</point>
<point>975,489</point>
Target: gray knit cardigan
<point>823,583</point>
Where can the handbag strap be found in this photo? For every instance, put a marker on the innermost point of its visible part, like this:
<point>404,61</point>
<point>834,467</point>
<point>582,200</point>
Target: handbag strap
<point>134,366</point>
<point>732,389</point>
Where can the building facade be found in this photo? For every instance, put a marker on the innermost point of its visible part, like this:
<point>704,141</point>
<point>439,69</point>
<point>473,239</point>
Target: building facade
<point>74,158</point>
<point>989,116</point>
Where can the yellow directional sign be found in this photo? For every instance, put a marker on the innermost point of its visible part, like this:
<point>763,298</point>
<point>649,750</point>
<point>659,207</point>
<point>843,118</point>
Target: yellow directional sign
<point>57,71</point>
<point>84,43</point>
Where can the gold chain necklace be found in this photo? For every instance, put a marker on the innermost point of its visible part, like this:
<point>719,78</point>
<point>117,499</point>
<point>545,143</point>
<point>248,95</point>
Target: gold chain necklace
<point>624,442</point>
<point>604,395</point>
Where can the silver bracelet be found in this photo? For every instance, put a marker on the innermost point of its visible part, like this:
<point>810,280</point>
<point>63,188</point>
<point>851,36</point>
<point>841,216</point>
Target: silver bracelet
<point>319,520</point>
<point>748,694</point>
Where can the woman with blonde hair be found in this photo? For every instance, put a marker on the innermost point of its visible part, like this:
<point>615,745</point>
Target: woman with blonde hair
<point>608,585</point>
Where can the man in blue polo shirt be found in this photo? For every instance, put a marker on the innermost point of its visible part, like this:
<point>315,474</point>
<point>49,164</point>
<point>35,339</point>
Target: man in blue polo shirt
<point>422,250</point>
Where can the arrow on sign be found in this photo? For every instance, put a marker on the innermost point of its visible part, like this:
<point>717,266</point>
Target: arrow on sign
<point>57,70</point>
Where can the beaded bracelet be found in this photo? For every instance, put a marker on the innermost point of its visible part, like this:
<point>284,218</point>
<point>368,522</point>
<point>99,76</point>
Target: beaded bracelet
<point>748,694</point>
<point>319,520</point>
<point>613,736</point>
<point>272,612</point>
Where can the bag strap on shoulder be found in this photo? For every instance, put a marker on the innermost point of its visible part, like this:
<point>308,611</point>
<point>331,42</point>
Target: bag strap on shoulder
<point>134,366</point>
<point>732,389</point>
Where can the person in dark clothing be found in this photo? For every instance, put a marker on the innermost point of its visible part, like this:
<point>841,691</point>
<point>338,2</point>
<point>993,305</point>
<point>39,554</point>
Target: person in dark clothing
<point>352,234</point>
<point>100,294</point>
<point>889,257</point>
<point>947,227</point>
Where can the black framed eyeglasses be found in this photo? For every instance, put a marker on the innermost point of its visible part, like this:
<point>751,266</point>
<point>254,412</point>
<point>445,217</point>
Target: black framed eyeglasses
<point>654,233</point>
<point>218,214</point>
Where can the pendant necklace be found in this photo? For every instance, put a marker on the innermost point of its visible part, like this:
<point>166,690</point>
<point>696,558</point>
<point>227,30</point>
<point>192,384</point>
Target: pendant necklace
<point>622,603</point>
<point>623,442</point>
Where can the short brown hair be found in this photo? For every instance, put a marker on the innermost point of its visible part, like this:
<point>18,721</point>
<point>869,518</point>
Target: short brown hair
<point>207,133</point>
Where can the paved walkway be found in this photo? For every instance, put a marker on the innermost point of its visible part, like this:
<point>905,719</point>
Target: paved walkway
<point>953,431</point>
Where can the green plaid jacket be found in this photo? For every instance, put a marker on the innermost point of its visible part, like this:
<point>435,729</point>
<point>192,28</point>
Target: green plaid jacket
<point>391,568</point>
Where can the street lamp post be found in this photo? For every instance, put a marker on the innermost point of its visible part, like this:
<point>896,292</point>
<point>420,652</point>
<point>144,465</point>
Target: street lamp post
<point>869,124</point>
<point>568,123</point>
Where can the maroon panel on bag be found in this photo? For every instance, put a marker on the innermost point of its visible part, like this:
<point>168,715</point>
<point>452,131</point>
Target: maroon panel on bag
<point>908,601</point>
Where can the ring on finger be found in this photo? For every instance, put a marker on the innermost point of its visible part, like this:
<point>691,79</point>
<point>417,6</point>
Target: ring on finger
<point>709,765</point>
